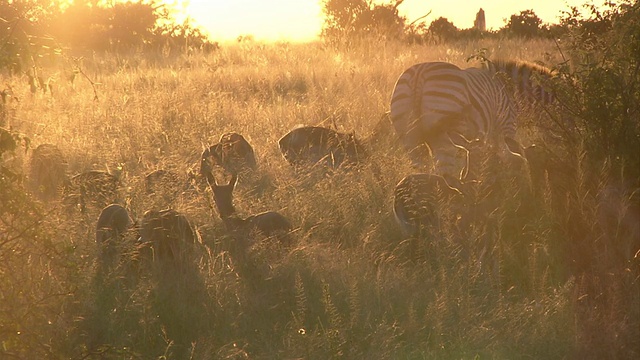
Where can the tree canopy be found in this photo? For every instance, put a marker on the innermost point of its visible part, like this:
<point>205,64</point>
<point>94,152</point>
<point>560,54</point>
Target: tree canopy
<point>30,29</point>
<point>346,19</point>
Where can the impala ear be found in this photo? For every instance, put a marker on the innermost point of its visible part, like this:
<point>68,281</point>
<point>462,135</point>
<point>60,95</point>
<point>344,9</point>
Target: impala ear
<point>234,180</point>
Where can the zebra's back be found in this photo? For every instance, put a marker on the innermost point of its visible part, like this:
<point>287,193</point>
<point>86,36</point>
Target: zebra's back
<point>437,108</point>
<point>436,88</point>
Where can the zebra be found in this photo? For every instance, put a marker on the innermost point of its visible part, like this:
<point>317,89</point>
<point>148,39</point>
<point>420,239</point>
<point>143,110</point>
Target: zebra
<point>530,83</point>
<point>537,91</point>
<point>437,108</point>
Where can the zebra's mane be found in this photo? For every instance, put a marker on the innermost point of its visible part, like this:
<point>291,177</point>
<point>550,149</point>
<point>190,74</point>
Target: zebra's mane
<point>531,82</point>
<point>509,65</point>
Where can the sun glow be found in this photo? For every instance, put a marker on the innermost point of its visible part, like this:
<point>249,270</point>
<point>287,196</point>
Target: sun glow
<point>291,20</point>
<point>301,20</point>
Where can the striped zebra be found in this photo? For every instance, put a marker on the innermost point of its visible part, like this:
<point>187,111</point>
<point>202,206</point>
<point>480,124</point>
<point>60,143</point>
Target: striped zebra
<point>438,108</point>
<point>530,83</point>
<point>535,90</point>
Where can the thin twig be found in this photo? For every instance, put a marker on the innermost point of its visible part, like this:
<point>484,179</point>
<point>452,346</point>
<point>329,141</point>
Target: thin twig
<point>421,17</point>
<point>93,83</point>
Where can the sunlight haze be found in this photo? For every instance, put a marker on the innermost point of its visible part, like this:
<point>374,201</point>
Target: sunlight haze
<point>301,20</point>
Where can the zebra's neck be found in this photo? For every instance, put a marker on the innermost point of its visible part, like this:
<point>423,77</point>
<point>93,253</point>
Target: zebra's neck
<point>528,82</point>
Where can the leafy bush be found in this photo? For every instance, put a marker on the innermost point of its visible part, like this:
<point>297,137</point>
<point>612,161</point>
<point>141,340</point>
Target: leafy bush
<point>604,81</point>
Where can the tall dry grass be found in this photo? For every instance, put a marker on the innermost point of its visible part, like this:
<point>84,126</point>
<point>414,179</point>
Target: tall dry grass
<point>522,276</point>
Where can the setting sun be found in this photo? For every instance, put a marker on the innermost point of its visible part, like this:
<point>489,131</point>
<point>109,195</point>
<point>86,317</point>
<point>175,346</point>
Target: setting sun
<point>301,20</point>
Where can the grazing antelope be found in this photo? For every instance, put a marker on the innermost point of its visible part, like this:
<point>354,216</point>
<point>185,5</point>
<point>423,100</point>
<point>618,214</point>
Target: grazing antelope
<point>112,224</point>
<point>170,242</point>
<point>113,221</point>
<point>168,234</point>
<point>418,201</point>
<point>267,224</point>
<point>233,153</point>
<point>48,171</point>
<point>310,145</point>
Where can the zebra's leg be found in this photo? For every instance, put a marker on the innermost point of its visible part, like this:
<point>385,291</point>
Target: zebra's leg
<point>419,155</point>
<point>445,156</point>
<point>416,145</point>
<point>516,158</point>
<point>514,152</point>
<point>462,144</point>
<point>514,147</point>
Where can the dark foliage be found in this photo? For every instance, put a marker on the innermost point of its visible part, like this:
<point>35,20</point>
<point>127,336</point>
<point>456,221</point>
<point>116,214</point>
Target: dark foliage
<point>443,30</point>
<point>603,82</point>
<point>32,32</point>
<point>348,19</point>
<point>526,24</point>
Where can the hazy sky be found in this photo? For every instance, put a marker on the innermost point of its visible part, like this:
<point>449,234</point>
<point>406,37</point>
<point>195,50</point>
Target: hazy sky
<point>299,20</point>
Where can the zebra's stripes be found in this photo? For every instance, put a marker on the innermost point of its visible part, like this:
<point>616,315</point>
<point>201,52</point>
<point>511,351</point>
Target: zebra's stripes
<point>537,93</point>
<point>530,83</point>
<point>439,105</point>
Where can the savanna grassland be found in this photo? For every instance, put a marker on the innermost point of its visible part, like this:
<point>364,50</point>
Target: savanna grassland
<point>542,274</point>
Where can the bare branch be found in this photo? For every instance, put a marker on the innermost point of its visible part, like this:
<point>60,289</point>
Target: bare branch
<point>93,83</point>
<point>420,18</point>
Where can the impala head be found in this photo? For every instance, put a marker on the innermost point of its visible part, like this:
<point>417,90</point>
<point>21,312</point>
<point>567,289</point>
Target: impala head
<point>232,153</point>
<point>234,144</point>
<point>223,196</point>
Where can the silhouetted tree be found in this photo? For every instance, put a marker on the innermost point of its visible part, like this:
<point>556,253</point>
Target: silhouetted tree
<point>442,30</point>
<point>525,24</point>
<point>346,19</point>
<point>384,19</point>
<point>32,31</point>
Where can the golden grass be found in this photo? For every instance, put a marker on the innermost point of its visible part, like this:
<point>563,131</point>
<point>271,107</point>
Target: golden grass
<point>353,287</point>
